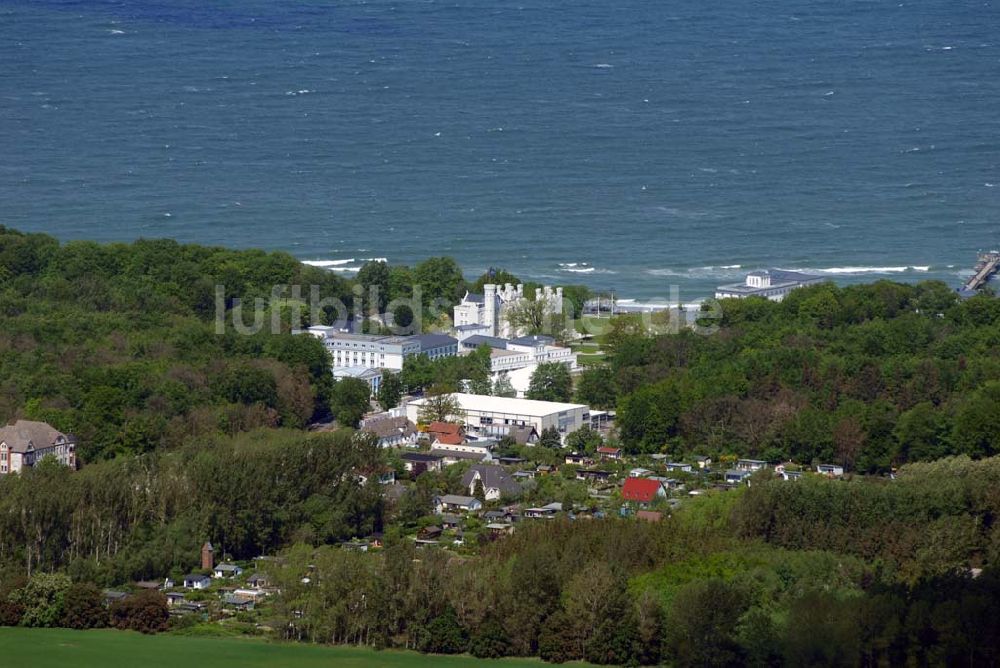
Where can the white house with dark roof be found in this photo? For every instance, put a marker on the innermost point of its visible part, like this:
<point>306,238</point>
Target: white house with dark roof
<point>418,462</point>
<point>24,443</point>
<point>226,571</point>
<point>751,464</point>
<point>197,581</point>
<point>392,432</point>
<point>832,470</point>
<point>456,502</point>
<point>494,479</point>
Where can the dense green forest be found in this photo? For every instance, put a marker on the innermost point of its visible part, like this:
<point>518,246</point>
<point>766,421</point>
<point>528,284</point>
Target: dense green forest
<point>870,376</point>
<point>116,343</point>
<point>147,516</point>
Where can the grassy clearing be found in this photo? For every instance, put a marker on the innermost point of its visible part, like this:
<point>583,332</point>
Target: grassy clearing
<point>57,648</point>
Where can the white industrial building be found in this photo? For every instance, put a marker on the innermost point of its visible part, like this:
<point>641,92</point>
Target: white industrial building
<point>486,314</point>
<point>485,415</point>
<point>771,284</point>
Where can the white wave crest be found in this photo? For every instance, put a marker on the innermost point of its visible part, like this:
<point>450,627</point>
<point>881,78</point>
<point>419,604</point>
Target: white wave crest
<point>326,264</point>
<point>666,272</point>
<point>873,270</point>
<point>725,271</point>
<point>348,266</point>
<point>583,268</point>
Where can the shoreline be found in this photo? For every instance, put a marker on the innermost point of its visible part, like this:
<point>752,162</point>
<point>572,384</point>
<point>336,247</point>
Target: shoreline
<point>697,283</point>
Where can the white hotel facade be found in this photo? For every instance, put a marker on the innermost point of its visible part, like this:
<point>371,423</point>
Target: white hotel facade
<point>381,351</point>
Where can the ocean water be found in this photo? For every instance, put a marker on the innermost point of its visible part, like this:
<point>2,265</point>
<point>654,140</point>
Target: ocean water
<point>630,145</point>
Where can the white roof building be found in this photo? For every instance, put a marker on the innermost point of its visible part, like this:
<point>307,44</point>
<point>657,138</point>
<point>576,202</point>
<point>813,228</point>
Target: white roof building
<point>494,416</point>
<point>772,284</point>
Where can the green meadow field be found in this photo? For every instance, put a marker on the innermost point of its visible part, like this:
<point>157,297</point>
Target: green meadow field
<point>59,648</point>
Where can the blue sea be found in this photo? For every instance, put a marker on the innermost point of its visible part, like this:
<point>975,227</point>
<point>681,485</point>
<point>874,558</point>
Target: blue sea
<point>629,145</point>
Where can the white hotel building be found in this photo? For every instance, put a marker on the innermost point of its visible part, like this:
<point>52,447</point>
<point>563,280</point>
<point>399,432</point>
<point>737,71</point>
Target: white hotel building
<point>375,351</point>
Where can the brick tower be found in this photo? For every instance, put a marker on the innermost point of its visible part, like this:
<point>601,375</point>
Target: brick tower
<point>207,557</point>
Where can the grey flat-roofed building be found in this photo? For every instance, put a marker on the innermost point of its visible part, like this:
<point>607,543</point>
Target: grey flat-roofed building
<point>437,345</point>
<point>533,340</point>
<point>477,340</point>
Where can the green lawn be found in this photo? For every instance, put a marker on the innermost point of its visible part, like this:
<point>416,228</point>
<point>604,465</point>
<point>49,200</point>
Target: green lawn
<point>588,360</point>
<point>59,648</point>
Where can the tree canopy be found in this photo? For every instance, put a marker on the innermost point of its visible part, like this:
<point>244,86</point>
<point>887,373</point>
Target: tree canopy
<point>868,376</point>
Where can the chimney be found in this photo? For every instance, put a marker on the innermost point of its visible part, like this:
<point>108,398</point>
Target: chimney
<point>207,557</point>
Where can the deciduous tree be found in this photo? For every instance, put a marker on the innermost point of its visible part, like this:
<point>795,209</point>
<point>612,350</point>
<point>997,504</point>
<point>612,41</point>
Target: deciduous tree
<point>551,381</point>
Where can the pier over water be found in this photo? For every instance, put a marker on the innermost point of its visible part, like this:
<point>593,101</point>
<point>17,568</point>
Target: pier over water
<point>986,268</point>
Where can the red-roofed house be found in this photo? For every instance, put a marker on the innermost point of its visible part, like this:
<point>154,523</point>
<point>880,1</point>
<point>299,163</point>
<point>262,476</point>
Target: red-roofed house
<point>448,439</point>
<point>642,490</point>
<point>609,453</point>
<point>445,433</point>
<point>441,428</point>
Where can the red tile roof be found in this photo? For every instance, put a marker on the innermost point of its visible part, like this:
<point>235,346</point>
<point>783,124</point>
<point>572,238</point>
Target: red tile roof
<point>642,490</point>
<point>608,451</point>
<point>444,428</point>
<point>450,439</point>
